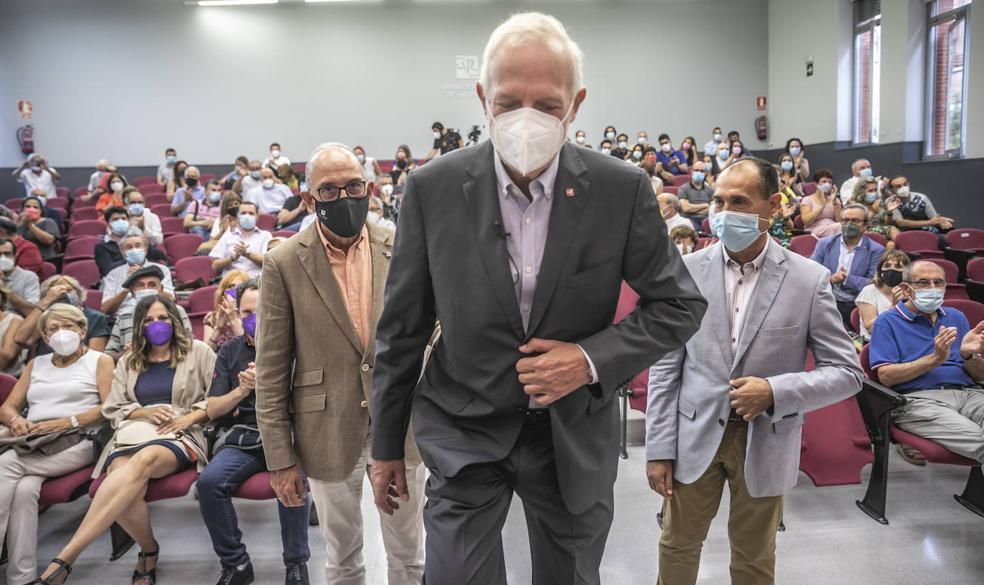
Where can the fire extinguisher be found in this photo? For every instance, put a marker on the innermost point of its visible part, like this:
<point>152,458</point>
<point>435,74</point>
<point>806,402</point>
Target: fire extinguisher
<point>25,137</point>
<point>761,127</point>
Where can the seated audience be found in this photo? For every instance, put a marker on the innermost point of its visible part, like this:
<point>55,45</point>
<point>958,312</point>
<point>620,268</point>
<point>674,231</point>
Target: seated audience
<point>222,324</point>
<point>200,216</point>
<point>914,210</point>
<point>370,168</point>
<point>669,207</point>
<point>240,168</point>
<point>695,195</point>
<point>725,155</point>
<point>684,238</point>
<point>884,291</point>
<point>932,355</point>
<point>97,176</point>
<point>789,178</point>
<point>146,282</point>
<point>291,214</point>
<point>242,247</point>
<point>687,147</point>
<point>18,285</point>
<point>860,169</point>
<point>635,154</point>
<point>580,139</point>
<point>621,149</point>
<point>157,406</point>
<point>880,218</point>
<point>821,211</point>
<point>28,254</point>
<point>118,298</point>
<point>238,455</point>
<point>285,174</point>
<point>794,147</point>
<point>165,171</point>
<point>276,158</point>
<point>653,169</point>
<point>113,197</point>
<point>35,174</point>
<point>403,163</point>
<point>781,228</point>
<point>34,227</point>
<point>673,161</point>
<point>66,290</point>
<point>107,253</point>
<point>250,180</point>
<point>62,392</point>
<point>391,204</point>
<point>851,257</point>
<point>375,214</point>
<point>710,147</point>
<point>228,218</point>
<point>142,217</point>
<point>642,138</point>
<point>605,147</point>
<point>12,355</point>
<point>178,182</point>
<point>270,195</point>
<point>184,196</point>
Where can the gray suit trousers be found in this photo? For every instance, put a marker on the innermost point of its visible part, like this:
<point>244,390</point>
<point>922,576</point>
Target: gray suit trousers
<point>464,516</point>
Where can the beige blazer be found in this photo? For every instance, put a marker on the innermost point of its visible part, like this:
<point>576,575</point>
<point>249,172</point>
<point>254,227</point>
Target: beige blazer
<point>313,379</point>
<point>191,382</point>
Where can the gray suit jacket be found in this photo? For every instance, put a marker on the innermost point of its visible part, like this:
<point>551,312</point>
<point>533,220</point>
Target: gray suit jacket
<point>793,310</point>
<point>450,263</point>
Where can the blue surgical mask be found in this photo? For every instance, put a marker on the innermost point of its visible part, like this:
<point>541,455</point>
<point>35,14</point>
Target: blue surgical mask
<point>119,227</point>
<point>865,172</point>
<point>214,196</point>
<point>723,155</point>
<point>136,256</point>
<point>795,150</point>
<point>247,221</point>
<point>737,231</point>
<point>786,165</point>
<point>135,208</point>
<point>871,197</point>
<point>698,177</point>
<point>171,160</point>
<point>928,300</point>
<point>637,154</point>
<point>255,175</point>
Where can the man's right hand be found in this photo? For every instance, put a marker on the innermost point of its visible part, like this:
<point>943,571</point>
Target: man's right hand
<point>660,474</point>
<point>389,481</point>
<point>942,344</point>
<point>288,484</point>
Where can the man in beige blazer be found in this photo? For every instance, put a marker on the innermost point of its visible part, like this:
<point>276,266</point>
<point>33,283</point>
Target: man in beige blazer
<point>321,294</point>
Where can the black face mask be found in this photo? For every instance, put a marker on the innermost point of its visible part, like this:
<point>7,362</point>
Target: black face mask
<point>191,181</point>
<point>344,217</point>
<point>890,277</point>
<point>232,211</point>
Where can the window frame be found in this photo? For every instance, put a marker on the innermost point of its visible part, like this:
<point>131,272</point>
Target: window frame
<point>860,27</point>
<point>929,95</point>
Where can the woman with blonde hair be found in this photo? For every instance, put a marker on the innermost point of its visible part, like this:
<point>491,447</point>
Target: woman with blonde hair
<point>157,408</point>
<point>879,212</point>
<point>63,392</point>
<point>222,324</point>
<point>61,288</point>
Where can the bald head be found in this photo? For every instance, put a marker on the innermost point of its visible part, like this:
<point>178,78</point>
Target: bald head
<point>333,163</point>
<point>924,270</point>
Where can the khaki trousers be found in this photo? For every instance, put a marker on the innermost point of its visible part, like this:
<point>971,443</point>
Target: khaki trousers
<point>339,507</point>
<point>952,418</point>
<point>752,522</point>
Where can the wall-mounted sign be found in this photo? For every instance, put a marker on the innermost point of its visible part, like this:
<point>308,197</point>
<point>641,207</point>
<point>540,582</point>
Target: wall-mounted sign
<point>760,102</point>
<point>466,67</point>
<point>25,109</point>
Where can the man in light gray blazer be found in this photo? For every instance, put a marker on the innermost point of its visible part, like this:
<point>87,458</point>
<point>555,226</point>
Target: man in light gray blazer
<point>729,405</point>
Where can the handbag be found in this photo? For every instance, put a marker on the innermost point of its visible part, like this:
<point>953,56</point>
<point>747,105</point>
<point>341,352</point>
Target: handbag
<point>133,433</point>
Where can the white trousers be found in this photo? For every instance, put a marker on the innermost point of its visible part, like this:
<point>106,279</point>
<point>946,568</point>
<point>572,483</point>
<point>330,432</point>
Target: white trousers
<point>21,477</point>
<point>339,507</point>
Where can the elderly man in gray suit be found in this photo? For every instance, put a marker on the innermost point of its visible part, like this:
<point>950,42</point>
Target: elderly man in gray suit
<point>730,404</point>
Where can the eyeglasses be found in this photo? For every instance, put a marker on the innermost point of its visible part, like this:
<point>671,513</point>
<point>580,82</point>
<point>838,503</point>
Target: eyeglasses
<point>354,189</point>
<point>853,220</point>
<point>939,283</point>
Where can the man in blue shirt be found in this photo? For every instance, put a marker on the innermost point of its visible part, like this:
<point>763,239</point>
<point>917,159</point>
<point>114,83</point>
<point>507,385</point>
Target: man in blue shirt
<point>851,257</point>
<point>931,354</point>
<point>238,455</point>
<point>673,160</point>
<point>193,191</point>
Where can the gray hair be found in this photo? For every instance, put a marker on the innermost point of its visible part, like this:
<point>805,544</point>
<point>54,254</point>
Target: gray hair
<point>533,26</point>
<point>854,165</point>
<point>907,271</point>
<point>323,148</point>
<point>132,232</point>
<point>856,206</point>
<point>190,168</point>
<point>670,198</point>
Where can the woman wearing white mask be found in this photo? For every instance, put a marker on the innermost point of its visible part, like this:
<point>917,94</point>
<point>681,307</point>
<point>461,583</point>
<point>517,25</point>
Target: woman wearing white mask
<point>63,391</point>
<point>370,168</point>
<point>113,197</point>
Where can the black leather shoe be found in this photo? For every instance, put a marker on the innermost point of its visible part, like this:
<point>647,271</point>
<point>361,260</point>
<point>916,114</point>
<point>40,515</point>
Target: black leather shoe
<point>241,575</point>
<point>297,574</point>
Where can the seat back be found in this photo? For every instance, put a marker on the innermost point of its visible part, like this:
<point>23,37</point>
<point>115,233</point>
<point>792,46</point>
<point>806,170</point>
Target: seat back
<point>680,180</point>
<point>202,300</point>
<point>809,189</point>
<point>153,199</point>
<point>671,189</point>
<point>864,359</point>
<point>877,237</point>
<point>628,299</point>
<point>948,266</point>
<point>84,213</point>
<point>917,241</point>
<point>856,320</point>
<point>172,225</point>
<point>973,310</point>
<point>81,248</point>
<point>161,209</point>
<point>88,227</point>
<point>803,245</point>
<point>966,239</point>
<point>84,271</point>
<point>188,269</point>
<point>93,299</point>
<point>181,246</point>
<point>975,269</point>
<point>144,180</point>
<point>266,221</point>
<point>705,226</point>
<point>7,383</point>
<point>48,270</point>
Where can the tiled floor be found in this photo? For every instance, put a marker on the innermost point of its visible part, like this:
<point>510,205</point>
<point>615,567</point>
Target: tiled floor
<point>931,539</point>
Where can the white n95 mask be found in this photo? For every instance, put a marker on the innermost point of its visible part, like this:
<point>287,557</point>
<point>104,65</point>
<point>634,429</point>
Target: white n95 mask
<point>527,139</point>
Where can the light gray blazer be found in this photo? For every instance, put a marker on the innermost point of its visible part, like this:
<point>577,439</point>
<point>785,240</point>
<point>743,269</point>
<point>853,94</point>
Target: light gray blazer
<point>792,310</point>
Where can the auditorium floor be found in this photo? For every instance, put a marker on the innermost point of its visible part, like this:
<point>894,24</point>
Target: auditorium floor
<point>931,539</point>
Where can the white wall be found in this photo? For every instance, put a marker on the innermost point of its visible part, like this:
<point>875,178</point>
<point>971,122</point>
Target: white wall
<point>124,79</point>
<point>818,108</point>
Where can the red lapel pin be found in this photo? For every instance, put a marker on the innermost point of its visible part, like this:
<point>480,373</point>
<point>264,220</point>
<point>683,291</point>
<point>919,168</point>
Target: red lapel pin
<point>569,192</point>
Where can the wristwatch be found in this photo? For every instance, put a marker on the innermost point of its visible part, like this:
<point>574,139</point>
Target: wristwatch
<point>75,422</point>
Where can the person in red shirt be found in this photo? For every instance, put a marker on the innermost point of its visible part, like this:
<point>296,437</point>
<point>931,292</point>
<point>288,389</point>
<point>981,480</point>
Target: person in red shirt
<point>28,254</point>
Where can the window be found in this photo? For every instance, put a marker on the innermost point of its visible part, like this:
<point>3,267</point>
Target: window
<point>867,70</point>
<point>947,78</point>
